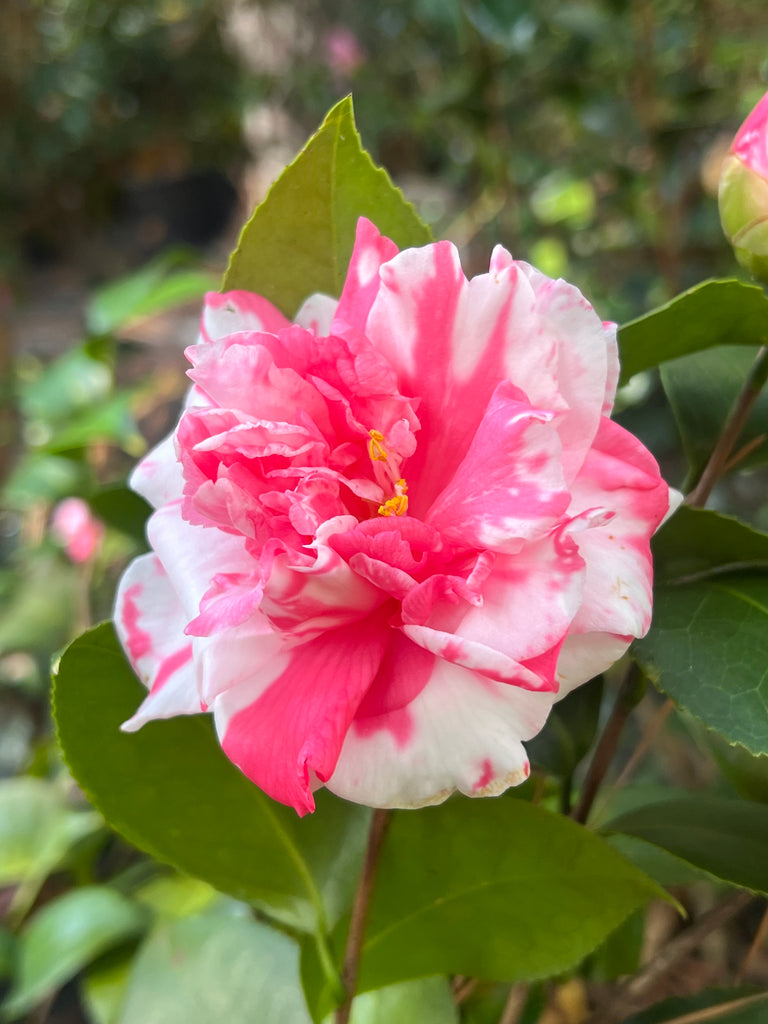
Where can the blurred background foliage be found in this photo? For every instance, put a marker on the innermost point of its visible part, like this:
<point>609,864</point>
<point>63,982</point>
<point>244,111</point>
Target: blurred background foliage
<point>136,136</point>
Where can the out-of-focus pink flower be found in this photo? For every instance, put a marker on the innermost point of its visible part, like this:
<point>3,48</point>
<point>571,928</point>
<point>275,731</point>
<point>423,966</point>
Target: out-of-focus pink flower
<point>390,535</point>
<point>76,529</point>
<point>343,52</point>
<point>743,193</point>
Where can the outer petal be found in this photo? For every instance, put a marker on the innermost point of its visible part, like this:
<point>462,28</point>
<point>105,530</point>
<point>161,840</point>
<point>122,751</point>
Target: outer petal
<point>228,313</point>
<point>620,474</point>
<point>150,622</point>
<point>370,251</point>
<point>289,720</point>
<point>461,732</point>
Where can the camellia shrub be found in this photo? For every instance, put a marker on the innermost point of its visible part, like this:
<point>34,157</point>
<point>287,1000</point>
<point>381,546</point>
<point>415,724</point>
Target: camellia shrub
<point>397,542</point>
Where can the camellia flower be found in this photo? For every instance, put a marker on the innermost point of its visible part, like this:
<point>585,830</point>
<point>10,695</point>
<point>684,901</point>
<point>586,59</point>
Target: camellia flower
<point>73,525</point>
<point>743,192</point>
<point>390,535</point>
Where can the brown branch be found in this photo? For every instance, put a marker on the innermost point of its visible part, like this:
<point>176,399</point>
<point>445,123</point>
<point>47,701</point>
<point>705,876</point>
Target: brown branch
<point>379,825</point>
<point>633,994</point>
<point>737,417</point>
<point>626,699</point>
<point>757,942</point>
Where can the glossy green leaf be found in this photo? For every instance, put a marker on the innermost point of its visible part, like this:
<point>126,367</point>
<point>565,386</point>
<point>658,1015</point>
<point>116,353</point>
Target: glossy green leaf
<point>746,773</point>
<point>170,790</point>
<point>152,289</point>
<point>726,312</point>
<point>215,967</point>
<point>726,838</point>
<point>64,937</point>
<point>300,238</point>
<point>700,542</point>
<point>718,1006</point>
<point>499,889</point>
<point>37,828</point>
<point>701,389</point>
<point>708,650</point>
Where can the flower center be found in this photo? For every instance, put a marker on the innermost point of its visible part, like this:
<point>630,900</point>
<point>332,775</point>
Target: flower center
<point>387,471</point>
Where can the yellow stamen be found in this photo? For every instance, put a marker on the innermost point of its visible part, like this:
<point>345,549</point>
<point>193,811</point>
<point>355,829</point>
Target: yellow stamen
<point>376,449</point>
<point>398,505</point>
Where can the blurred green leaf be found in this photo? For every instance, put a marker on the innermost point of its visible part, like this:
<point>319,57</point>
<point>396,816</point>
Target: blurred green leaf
<point>109,420</point>
<point>102,987</point>
<point>700,542</point>
<point>175,895</point>
<point>708,650</point>
<point>154,288</point>
<point>726,312</point>
<point>38,613</point>
<point>65,936</point>
<point>701,389</point>
<point>75,381</point>
<point>561,198</point>
<point>123,509</point>
<point>726,838</point>
<point>569,731</point>
<point>37,828</point>
<point>170,790</point>
<point>7,953</point>
<point>499,889</point>
<point>425,1001</point>
<point>38,476</point>
<point>620,953</point>
<point>299,240</point>
<point>214,967</point>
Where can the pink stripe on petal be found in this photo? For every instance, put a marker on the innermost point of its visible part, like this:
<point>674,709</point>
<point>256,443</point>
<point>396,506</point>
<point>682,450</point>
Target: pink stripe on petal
<point>170,665</point>
<point>297,725</point>
<point>370,251</point>
<point>138,642</point>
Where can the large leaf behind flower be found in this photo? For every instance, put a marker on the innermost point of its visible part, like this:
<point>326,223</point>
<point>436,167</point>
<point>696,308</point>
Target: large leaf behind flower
<point>300,238</point>
<point>708,645</point>
<point>171,791</point>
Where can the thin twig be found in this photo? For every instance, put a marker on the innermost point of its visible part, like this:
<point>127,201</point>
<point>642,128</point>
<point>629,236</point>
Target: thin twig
<point>633,994</point>
<point>714,1012</point>
<point>737,417</point>
<point>757,942</point>
<point>379,825</point>
<point>626,699</point>
<point>515,1004</point>
<point>650,734</point>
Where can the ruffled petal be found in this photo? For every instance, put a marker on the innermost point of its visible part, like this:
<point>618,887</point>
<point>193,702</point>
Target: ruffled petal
<point>149,621</point>
<point>287,723</point>
<point>462,731</point>
<point>620,474</point>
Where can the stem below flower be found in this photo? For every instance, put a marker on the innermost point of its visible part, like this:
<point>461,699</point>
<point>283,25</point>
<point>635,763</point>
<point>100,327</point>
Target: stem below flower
<point>379,825</point>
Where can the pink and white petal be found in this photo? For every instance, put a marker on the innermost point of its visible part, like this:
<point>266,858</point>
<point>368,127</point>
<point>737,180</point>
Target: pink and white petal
<point>287,724</point>
<point>614,369</point>
<point>460,732</point>
<point>510,485</point>
<point>585,655</point>
<point>228,313</point>
<point>529,601</point>
<point>192,555</point>
<point>619,474</point>
<point>149,622</point>
<point>316,314</point>
<point>370,251</point>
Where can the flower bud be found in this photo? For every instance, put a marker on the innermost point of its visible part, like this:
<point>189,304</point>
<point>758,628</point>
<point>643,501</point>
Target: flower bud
<point>743,193</point>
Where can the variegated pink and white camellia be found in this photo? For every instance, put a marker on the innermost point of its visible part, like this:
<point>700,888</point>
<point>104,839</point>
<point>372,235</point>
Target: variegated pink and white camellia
<point>390,535</point>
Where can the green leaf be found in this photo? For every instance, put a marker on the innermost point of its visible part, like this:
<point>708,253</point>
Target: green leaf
<point>109,420</point>
<point>726,312</point>
<point>215,967</point>
<point>120,507</point>
<point>725,1006</point>
<point>152,289</point>
<point>300,238</point>
<point>38,613</point>
<point>75,381</point>
<point>700,542</point>
<point>708,650</point>
<point>499,889</point>
<point>746,773</point>
<point>726,838</point>
<point>569,731</point>
<point>426,1001</point>
<point>37,829</point>
<point>701,389</point>
<point>64,937</point>
<point>7,953</point>
<point>171,791</point>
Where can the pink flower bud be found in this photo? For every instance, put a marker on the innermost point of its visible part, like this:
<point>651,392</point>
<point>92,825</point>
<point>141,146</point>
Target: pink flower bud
<point>76,529</point>
<point>743,195</point>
